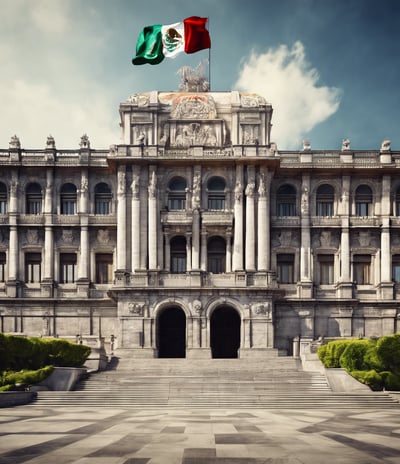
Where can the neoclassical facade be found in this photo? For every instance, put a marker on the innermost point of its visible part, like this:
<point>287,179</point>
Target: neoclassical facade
<point>197,237</point>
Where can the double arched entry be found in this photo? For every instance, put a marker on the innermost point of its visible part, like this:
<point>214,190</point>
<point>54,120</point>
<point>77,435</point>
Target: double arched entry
<point>224,334</point>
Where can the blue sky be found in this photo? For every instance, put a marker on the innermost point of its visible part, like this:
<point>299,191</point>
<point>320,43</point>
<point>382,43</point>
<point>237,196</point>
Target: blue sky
<point>330,68</point>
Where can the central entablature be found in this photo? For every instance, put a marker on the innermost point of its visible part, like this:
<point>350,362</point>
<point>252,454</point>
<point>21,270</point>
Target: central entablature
<point>181,120</point>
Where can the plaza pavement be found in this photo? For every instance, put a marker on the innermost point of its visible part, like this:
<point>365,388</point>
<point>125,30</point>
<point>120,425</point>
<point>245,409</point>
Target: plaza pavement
<point>35,435</point>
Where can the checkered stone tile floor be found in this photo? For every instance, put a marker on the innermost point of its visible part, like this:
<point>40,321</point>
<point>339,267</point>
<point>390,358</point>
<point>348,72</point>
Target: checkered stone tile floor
<point>106,436</point>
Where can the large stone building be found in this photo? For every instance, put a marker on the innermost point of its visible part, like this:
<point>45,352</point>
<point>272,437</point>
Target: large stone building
<point>196,237</point>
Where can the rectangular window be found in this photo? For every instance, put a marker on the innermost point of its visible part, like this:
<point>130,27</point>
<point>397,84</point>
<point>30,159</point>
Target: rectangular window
<point>216,202</point>
<point>104,268</point>
<point>33,267</point>
<point>362,269</point>
<point>286,209</point>
<point>2,267</point>
<point>326,269</point>
<point>3,206</point>
<point>285,265</point>
<point>324,208</point>
<point>396,268</point>
<point>67,268</point>
<point>178,264</point>
<point>362,209</point>
<point>176,202</point>
<point>216,264</point>
<point>34,205</point>
<point>102,206</point>
<point>68,206</point>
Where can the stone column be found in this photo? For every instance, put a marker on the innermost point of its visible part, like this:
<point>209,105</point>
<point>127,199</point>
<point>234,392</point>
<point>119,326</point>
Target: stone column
<point>188,253</point>
<point>13,254</point>
<point>250,261</point>
<point>386,266</point>
<point>238,214</point>
<point>48,253</point>
<point>262,225</point>
<point>84,256</point>
<point>228,237</point>
<point>48,273</point>
<point>167,257</point>
<point>121,219</point>
<point>135,237</point>
<point>196,204</point>
<point>152,218</point>
<point>13,244</point>
<point>196,240</point>
<point>84,196</point>
<point>203,251</point>
<point>345,235</point>
<point>305,230</point>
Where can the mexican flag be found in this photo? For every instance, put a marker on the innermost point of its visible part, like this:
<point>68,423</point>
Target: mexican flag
<point>157,42</point>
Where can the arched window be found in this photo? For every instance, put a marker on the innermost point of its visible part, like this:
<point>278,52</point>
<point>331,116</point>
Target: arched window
<point>397,199</point>
<point>286,201</point>
<point>216,253</point>
<point>325,199</point>
<point>177,193</point>
<point>102,199</point>
<point>216,193</point>
<point>33,199</point>
<point>178,255</point>
<point>363,201</point>
<point>3,199</point>
<point>68,199</point>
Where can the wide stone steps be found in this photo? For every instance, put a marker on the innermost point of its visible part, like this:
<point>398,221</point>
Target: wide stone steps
<point>273,384</point>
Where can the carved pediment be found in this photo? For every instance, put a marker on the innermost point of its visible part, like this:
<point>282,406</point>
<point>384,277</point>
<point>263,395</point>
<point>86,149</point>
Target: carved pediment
<point>193,106</point>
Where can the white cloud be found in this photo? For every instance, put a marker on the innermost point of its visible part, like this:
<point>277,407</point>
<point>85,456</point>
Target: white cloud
<point>48,83</point>
<point>34,111</point>
<point>286,80</point>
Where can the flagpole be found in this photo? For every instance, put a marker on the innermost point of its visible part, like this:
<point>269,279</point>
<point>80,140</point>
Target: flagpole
<point>209,59</point>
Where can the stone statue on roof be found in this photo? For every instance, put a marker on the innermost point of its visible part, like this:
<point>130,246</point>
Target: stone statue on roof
<point>194,79</point>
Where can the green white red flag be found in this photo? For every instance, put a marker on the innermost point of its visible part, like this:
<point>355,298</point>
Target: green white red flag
<point>166,41</point>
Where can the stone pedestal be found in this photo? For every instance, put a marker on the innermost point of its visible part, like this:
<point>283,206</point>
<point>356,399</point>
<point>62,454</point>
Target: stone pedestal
<point>386,290</point>
<point>305,289</point>
<point>82,286</point>
<point>47,288</point>
<point>12,287</point>
<point>345,290</point>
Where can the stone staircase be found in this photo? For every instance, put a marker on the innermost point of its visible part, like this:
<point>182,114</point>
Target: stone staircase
<point>272,383</point>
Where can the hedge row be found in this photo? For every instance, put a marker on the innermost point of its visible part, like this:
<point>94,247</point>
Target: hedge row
<point>14,380</point>
<point>18,353</point>
<point>373,362</point>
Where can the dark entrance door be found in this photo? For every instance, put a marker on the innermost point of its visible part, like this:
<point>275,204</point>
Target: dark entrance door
<point>172,333</point>
<point>225,333</point>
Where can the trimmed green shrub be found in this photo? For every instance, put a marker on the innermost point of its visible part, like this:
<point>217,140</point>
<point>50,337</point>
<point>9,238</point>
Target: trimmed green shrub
<point>371,378</point>
<point>391,381</point>
<point>388,351</point>
<point>11,379</point>
<point>355,354</point>
<point>62,353</point>
<point>330,354</point>
<point>18,353</point>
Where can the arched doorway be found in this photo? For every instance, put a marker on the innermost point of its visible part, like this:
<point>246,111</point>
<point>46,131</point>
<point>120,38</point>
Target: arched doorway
<point>172,333</point>
<point>225,332</point>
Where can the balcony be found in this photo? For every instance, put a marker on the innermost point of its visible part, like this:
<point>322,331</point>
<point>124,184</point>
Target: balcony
<point>178,217</point>
<point>28,219</point>
<point>217,218</point>
<point>326,221</point>
<point>285,221</point>
<point>367,221</point>
<point>198,279</point>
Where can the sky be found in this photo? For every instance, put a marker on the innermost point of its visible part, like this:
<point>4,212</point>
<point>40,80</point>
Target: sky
<point>330,68</point>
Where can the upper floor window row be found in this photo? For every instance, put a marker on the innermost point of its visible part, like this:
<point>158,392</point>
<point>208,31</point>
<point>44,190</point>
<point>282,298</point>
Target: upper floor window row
<point>68,199</point>
<point>216,193</point>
